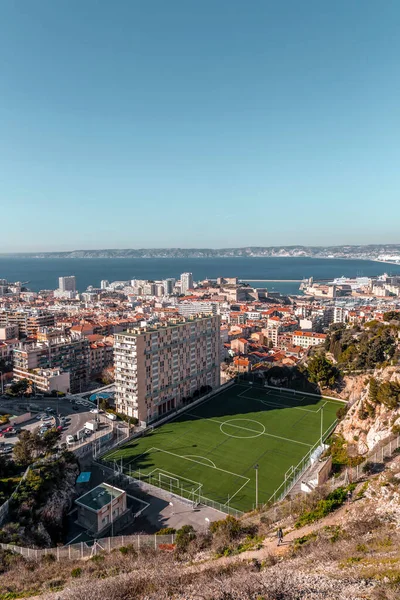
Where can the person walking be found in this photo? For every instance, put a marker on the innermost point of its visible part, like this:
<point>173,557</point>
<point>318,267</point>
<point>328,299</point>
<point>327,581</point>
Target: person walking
<point>349,495</point>
<point>280,536</point>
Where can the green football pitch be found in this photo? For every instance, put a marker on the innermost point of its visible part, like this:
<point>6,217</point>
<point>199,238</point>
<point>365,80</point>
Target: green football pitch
<point>211,449</point>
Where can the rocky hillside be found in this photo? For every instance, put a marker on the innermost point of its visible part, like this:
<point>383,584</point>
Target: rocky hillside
<point>332,550</point>
<point>368,420</point>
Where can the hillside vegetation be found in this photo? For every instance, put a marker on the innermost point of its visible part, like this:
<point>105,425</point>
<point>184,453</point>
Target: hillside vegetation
<point>331,551</point>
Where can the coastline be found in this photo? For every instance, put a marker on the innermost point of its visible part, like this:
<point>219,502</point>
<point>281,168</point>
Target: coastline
<point>385,262</point>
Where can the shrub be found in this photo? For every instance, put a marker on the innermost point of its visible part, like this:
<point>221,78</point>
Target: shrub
<point>129,549</point>
<point>77,572</point>
<point>324,507</point>
<point>98,558</point>
<point>166,531</point>
<point>229,526</point>
<point>184,536</point>
<point>342,412</point>
<point>49,558</point>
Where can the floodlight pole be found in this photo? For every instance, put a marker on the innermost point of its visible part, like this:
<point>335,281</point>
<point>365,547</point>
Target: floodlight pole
<point>322,423</point>
<point>256,468</point>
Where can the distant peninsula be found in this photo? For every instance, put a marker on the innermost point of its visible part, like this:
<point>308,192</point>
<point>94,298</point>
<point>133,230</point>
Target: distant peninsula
<point>384,252</point>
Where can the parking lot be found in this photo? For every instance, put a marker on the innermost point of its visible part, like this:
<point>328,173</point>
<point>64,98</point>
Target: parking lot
<point>52,412</point>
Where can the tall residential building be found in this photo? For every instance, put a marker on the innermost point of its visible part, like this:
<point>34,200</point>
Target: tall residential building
<point>158,367</point>
<point>67,284</point>
<point>186,282</point>
<point>104,284</point>
<point>168,286</point>
<point>28,320</point>
<point>62,353</point>
<point>194,308</point>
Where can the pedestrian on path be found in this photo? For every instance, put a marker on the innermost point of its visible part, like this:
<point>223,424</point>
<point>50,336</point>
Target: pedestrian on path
<point>349,495</point>
<point>280,536</point>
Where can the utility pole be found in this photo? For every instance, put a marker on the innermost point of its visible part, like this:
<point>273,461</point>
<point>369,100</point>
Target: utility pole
<point>256,468</point>
<point>322,423</point>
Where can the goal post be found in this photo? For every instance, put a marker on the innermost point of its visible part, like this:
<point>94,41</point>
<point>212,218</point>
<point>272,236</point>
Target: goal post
<point>172,482</point>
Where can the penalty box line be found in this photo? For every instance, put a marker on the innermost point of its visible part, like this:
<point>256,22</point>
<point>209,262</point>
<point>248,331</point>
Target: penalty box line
<point>271,403</point>
<point>202,464</point>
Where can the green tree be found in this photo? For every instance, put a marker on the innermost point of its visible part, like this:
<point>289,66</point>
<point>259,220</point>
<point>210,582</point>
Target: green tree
<point>322,371</point>
<point>373,390</point>
<point>391,315</point>
<point>23,449</point>
<point>19,387</point>
<point>50,440</point>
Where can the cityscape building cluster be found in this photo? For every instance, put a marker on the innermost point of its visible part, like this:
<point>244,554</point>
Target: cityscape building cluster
<point>163,343</point>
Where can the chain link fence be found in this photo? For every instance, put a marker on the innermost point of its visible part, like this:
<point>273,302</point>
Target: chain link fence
<point>84,550</point>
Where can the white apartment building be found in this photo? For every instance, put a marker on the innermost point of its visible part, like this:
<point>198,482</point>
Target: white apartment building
<point>306,339</point>
<point>194,308</point>
<point>340,314</point>
<point>158,367</point>
<point>186,282</point>
<point>67,284</point>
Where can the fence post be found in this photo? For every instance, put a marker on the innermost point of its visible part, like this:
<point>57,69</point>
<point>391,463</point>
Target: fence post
<point>81,549</point>
<point>138,542</point>
<point>155,542</point>
<point>109,544</point>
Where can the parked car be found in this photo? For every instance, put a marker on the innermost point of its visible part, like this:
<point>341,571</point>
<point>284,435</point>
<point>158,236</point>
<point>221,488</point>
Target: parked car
<point>41,416</point>
<point>49,409</point>
<point>94,411</point>
<point>10,431</point>
<point>48,420</point>
<point>70,439</point>
<point>6,449</point>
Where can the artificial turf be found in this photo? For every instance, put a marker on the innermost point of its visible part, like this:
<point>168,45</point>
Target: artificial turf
<point>211,449</point>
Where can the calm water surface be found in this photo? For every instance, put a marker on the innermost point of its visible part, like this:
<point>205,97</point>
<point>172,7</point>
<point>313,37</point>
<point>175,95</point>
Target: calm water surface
<point>44,273</point>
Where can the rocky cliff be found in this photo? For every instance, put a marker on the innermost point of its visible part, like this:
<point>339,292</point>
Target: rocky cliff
<point>364,433</point>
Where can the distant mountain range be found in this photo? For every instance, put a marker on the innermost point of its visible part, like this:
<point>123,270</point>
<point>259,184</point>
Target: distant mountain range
<point>373,252</point>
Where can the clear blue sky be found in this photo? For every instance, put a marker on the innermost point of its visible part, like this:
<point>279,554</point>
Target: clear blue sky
<point>127,124</point>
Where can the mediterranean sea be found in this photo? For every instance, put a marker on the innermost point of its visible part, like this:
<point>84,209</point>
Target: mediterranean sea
<point>43,273</point>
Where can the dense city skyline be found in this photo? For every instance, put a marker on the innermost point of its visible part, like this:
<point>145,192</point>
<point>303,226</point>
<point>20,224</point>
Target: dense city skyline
<point>198,125</point>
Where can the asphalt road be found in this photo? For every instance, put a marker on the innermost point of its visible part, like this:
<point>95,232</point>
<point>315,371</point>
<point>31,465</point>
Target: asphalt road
<point>75,419</point>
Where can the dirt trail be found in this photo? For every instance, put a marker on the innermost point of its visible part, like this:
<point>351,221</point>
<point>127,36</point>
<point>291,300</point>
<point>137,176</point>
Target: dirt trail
<point>268,548</point>
<point>270,544</point>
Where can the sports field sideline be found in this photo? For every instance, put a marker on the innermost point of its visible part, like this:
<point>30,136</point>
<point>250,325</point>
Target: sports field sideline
<point>211,449</point>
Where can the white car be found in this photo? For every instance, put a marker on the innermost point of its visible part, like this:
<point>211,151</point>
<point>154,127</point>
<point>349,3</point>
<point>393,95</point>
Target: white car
<point>94,411</point>
<point>47,420</point>
<point>40,417</point>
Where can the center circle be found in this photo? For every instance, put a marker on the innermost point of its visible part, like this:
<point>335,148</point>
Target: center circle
<point>242,428</point>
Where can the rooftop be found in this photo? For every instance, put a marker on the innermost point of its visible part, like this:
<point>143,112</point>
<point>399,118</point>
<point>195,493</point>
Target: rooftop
<point>99,496</point>
<point>175,322</point>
